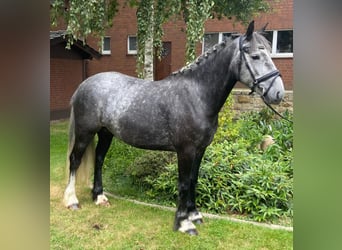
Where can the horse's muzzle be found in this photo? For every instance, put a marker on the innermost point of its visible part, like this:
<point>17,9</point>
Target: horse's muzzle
<point>274,97</point>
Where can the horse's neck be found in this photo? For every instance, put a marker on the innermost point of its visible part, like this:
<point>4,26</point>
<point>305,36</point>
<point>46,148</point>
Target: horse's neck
<point>215,79</point>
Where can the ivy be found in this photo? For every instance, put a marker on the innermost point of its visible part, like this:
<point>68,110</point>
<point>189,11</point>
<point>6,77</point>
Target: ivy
<point>198,13</point>
<point>85,17</point>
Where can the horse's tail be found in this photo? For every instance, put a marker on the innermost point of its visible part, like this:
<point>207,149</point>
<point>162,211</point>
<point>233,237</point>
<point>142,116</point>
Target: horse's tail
<point>88,160</point>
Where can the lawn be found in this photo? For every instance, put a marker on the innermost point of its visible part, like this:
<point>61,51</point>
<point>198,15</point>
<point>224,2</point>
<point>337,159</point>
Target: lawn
<point>125,225</point>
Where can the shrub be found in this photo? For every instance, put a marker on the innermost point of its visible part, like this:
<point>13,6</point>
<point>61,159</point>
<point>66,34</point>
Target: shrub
<point>233,180</point>
<point>226,127</point>
<point>149,166</point>
<point>235,175</point>
<point>118,158</point>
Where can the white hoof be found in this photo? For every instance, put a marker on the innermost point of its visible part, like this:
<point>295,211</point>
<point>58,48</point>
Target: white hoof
<point>102,200</point>
<point>196,217</point>
<point>70,198</point>
<point>187,226</point>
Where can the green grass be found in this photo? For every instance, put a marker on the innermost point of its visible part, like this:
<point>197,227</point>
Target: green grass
<point>125,225</point>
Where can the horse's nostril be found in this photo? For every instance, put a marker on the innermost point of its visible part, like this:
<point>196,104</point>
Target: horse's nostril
<point>278,95</point>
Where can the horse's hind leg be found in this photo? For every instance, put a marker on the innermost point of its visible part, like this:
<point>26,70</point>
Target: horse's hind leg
<point>105,139</point>
<point>80,145</point>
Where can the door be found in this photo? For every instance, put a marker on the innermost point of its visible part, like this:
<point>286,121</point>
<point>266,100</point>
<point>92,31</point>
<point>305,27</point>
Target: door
<point>163,66</point>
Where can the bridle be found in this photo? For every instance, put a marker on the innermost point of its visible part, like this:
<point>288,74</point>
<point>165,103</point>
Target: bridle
<point>257,81</point>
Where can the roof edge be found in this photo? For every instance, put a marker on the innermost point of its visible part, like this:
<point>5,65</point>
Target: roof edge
<point>60,36</point>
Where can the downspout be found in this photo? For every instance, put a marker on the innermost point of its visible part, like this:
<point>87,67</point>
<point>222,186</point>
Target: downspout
<point>85,69</point>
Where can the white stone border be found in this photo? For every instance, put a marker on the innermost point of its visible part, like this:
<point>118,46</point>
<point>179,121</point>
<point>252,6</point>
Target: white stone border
<point>211,216</point>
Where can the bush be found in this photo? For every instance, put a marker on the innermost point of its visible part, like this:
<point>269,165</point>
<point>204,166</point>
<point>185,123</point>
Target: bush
<point>118,158</point>
<point>245,183</point>
<point>233,180</point>
<point>235,175</point>
<point>149,166</point>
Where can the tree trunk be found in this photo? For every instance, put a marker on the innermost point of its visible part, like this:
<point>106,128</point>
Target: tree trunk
<point>149,51</point>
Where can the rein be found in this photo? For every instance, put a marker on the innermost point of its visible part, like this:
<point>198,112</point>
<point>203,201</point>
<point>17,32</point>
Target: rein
<point>257,81</point>
<point>277,113</point>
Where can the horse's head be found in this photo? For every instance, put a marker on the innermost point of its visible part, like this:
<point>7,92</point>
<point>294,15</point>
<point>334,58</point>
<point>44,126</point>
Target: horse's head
<point>256,68</point>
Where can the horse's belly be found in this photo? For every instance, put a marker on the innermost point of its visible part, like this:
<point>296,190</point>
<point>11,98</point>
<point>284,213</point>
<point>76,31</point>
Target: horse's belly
<point>144,133</point>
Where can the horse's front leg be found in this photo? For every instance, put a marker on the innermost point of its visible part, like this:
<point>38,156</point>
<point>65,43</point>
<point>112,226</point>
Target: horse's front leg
<point>105,139</point>
<point>194,215</point>
<point>185,162</point>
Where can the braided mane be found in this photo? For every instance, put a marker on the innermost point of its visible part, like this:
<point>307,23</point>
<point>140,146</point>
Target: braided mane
<point>204,57</point>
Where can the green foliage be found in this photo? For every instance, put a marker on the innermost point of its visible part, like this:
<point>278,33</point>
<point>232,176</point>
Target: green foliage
<point>233,179</point>
<point>151,15</point>
<point>84,17</point>
<point>198,11</point>
<point>226,127</point>
<point>241,10</point>
<point>119,156</point>
<point>235,175</point>
<point>163,187</point>
<point>149,166</point>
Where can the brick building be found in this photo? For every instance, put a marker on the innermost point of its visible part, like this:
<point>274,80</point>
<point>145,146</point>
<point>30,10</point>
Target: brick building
<point>119,46</point>
<point>67,70</point>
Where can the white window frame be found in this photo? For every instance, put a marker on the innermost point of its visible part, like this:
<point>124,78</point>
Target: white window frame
<point>220,37</point>
<point>274,53</point>
<point>106,52</point>
<point>131,51</point>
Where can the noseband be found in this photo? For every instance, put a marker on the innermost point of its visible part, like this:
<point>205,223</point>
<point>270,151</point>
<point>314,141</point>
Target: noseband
<point>256,81</point>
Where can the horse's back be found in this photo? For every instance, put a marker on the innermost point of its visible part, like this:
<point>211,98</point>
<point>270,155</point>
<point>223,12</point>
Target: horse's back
<point>102,95</point>
<point>102,84</point>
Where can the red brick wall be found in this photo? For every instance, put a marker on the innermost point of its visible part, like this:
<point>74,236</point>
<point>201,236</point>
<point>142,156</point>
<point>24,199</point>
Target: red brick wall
<point>175,33</point>
<point>125,24</point>
<point>285,66</point>
<point>281,16</point>
<point>65,75</point>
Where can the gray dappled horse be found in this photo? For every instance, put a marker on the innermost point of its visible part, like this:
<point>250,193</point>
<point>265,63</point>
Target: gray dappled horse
<point>178,113</point>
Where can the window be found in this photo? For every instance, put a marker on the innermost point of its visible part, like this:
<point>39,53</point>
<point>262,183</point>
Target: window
<point>282,42</point>
<point>210,39</point>
<point>132,45</point>
<point>106,45</point>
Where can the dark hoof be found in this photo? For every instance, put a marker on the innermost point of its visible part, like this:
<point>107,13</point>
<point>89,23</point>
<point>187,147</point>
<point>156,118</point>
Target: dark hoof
<point>74,207</point>
<point>198,221</point>
<point>192,232</point>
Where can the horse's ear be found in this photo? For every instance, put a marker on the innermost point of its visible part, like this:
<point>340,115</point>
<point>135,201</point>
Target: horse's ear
<point>263,28</point>
<point>250,30</point>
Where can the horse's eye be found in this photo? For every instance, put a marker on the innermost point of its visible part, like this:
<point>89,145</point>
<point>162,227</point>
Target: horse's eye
<point>246,49</point>
<point>255,57</point>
